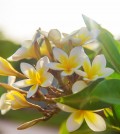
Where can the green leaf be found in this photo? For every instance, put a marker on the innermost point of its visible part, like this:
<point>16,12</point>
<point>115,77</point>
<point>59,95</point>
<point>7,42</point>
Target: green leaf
<point>108,91</point>
<point>83,100</point>
<point>100,94</point>
<point>115,75</point>
<point>110,46</point>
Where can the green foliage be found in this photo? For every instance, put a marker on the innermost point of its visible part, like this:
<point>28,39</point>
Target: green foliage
<point>99,94</point>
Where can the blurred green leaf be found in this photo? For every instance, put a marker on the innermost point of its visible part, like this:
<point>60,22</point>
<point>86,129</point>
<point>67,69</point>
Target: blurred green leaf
<point>116,109</point>
<point>115,75</point>
<point>109,45</point>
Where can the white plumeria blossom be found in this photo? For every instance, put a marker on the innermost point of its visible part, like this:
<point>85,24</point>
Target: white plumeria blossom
<point>27,49</point>
<point>94,121</point>
<point>75,120</point>
<point>67,64</point>
<point>80,37</point>
<point>95,70</point>
<point>38,76</point>
<point>13,100</point>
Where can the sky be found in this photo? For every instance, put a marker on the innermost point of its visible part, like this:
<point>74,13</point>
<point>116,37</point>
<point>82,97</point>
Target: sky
<point>19,19</point>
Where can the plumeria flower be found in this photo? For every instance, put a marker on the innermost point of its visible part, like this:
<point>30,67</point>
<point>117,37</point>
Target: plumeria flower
<point>95,70</point>
<point>12,100</point>
<point>6,69</point>
<point>80,37</point>
<point>67,64</point>
<point>36,77</point>
<point>27,49</point>
<point>94,121</point>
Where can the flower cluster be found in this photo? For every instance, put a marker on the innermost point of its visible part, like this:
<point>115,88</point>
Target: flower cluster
<point>64,64</point>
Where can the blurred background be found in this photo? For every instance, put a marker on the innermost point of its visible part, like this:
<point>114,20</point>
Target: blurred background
<point>19,19</point>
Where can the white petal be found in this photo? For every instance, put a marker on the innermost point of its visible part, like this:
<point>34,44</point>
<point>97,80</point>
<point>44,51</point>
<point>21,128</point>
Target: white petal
<point>36,36</point>
<point>95,121</point>
<point>106,72</point>
<point>55,66</point>
<point>77,56</point>
<point>54,35</point>
<point>72,123</point>
<point>66,108</point>
<point>59,53</point>
<point>79,51</point>
<point>4,111</point>
<point>18,55</point>
<point>78,86</point>
<point>99,62</point>
<point>42,63</point>
<point>49,80</point>
<point>87,65</point>
<point>22,83</point>
<point>11,80</point>
<point>69,37</point>
<point>27,69</point>
<point>2,100</point>
<point>81,73</point>
<point>27,43</point>
<point>65,73</point>
<point>32,91</point>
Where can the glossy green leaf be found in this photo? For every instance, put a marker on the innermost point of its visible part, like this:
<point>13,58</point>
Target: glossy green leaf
<point>83,100</point>
<point>109,45</point>
<point>100,94</point>
<point>107,91</point>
